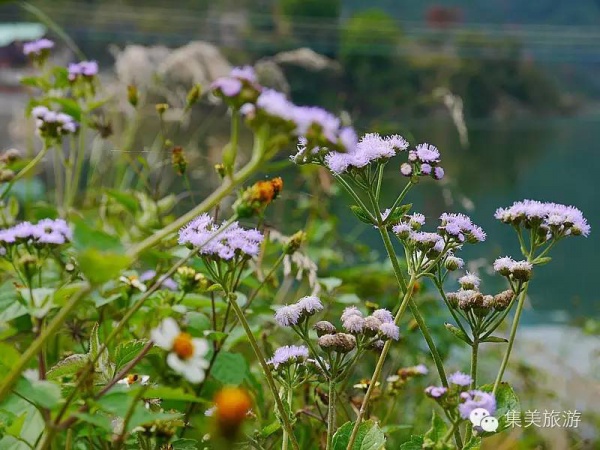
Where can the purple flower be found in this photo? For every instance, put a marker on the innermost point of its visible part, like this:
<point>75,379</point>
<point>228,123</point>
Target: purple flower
<point>427,153</point>
<point>371,147</point>
<point>244,73</point>
<point>35,48</point>
<point>229,87</point>
<point>288,315</point>
<point>425,239</point>
<point>350,311</point>
<point>220,241</point>
<point>310,304</point>
<point>150,275</point>
<point>469,281</point>
<point>416,220</point>
<point>83,68</point>
<point>421,369</point>
<point>275,104</point>
<point>288,355</point>
<point>402,230</point>
<point>438,173</point>
<point>383,315</point>
<point>504,265</point>
<point>435,391</point>
<point>558,220</point>
<point>460,226</point>
<point>460,379</point>
<point>354,324</point>
<point>390,330</point>
<point>307,117</point>
<point>426,169</point>
<point>476,399</point>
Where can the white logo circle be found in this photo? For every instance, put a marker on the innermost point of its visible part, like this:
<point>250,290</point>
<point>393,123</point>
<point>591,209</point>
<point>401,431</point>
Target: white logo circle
<point>489,424</point>
<point>477,415</point>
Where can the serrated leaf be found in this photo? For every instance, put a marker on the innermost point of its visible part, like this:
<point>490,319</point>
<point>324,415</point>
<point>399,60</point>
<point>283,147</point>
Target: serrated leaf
<point>415,443</point>
<point>360,214</point>
<point>438,429</point>
<point>127,351</point>
<point>185,444</point>
<point>369,437</point>
<point>473,444</point>
<point>103,362</point>
<point>506,400</point>
<point>230,368</point>
<point>496,339</point>
<point>41,392</point>
<point>101,421</point>
<point>460,334</point>
<point>68,367</point>
<point>101,266</point>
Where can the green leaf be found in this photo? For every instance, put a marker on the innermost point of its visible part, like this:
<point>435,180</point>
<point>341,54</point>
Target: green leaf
<point>8,356</point>
<point>360,214</point>
<point>398,213</point>
<point>198,322</point>
<point>415,443</point>
<point>273,427</point>
<point>127,351</point>
<point>42,393</point>
<point>103,362</point>
<point>458,333</point>
<point>85,237</point>
<point>129,202</point>
<point>17,425</point>
<point>438,429</point>
<point>496,339</point>
<point>369,437</point>
<point>542,261</point>
<point>99,267</point>
<point>330,283</point>
<point>506,400</point>
<point>69,106</point>
<point>230,368</point>
<point>99,420</point>
<point>175,394</point>
<point>68,367</point>
<point>185,444</point>
<point>473,444</point>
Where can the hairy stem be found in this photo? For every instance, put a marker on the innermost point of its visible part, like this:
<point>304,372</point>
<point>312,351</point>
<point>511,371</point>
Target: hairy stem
<point>268,375</point>
<point>331,414</point>
<point>511,338</point>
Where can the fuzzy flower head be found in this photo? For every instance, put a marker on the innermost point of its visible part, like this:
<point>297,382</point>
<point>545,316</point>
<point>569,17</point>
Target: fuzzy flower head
<point>436,391</point>
<point>186,354</point>
<point>423,160</point>
<point>476,399</point>
<point>239,88</point>
<point>460,379</point>
<point>552,219</point>
<point>350,311</point>
<point>469,281</point>
<point>288,355</point>
<point>309,305</point>
<point>370,148</point>
<point>53,124</point>
<point>289,315</point>
<point>224,242</point>
<point>354,324</point>
<point>383,315</point>
<point>389,330</point>
<point>38,48</point>
<point>84,70</point>
<point>460,228</point>
<point>47,232</point>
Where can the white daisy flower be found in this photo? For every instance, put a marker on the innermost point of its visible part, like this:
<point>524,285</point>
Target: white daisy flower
<point>133,378</point>
<point>186,355</point>
<point>134,282</point>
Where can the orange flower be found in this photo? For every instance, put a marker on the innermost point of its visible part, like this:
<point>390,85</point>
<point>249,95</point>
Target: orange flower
<point>232,406</point>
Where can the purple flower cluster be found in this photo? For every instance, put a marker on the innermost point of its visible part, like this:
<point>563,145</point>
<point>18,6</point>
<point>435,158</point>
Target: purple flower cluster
<point>290,315</point>
<point>554,219</point>
<point>423,160</point>
<point>85,69</point>
<point>436,391</point>
<point>51,123</point>
<point>381,322</point>
<point>45,232</point>
<point>471,400</point>
<point>231,86</point>
<point>151,275</point>
<point>518,270</point>
<point>460,379</point>
<point>371,147</point>
<point>288,355</point>
<point>37,48</point>
<point>460,228</point>
<point>224,242</point>
<point>469,281</point>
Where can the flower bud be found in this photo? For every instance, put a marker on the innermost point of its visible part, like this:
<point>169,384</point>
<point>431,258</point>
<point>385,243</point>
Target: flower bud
<point>6,175</point>
<point>193,95</point>
<point>178,160</point>
<point>323,327</point>
<point>220,169</point>
<point>452,299</point>
<point>294,242</point>
<point>339,342</point>
<point>483,309</point>
<point>161,108</point>
<point>503,300</point>
<point>29,263</point>
<point>371,326</point>
<point>132,95</point>
<point>453,263</point>
<point>521,270</point>
<point>10,156</point>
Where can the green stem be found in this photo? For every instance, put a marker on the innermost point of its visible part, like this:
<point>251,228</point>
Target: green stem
<point>286,438</point>
<point>379,367</point>
<point>474,356</point>
<point>355,196</point>
<point>25,170</point>
<point>331,414</point>
<point>511,339</point>
<point>38,344</point>
<point>268,375</point>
